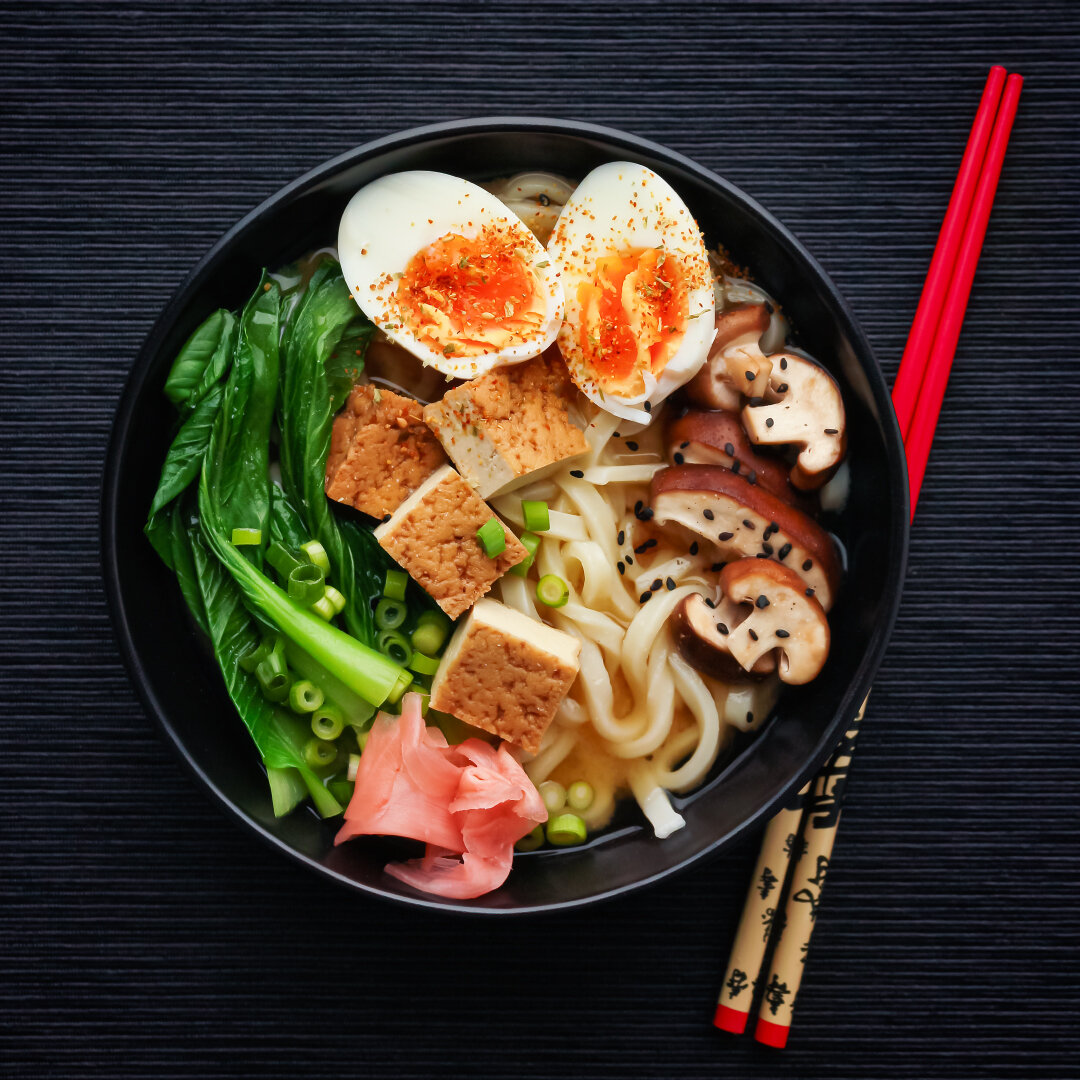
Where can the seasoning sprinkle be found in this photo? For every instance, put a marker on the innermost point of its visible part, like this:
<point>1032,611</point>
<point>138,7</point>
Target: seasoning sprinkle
<point>722,627</point>
<point>767,548</point>
<point>725,536</point>
<point>670,583</point>
<point>784,552</point>
<point>642,548</point>
<point>647,406</point>
<point>749,376</point>
<point>629,560</point>
<point>749,717</point>
<point>717,567</point>
<point>769,421</point>
<point>707,514</point>
<point>783,363</point>
<point>735,465</point>
<point>622,566</point>
<point>694,548</point>
<point>809,592</point>
<point>631,445</point>
<point>782,388</point>
<point>782,634</point>
<point>832,431</point>
<point>808,565</point>
<point>753,634</point>
<point>762,601</point>
<point>751,477</point>
<point>709,602</point>
<point>678,458</point>
<point>683,445</point>
<point>747,523</point>
<point>729,449</point>
<point>655,586</point>
<point>578,473</point>
<point>644,596</point>
<point>385,518</point>
<point>621,538</point>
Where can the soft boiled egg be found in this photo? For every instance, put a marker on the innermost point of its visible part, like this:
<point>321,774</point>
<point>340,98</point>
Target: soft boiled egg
<point>449,273</point>
<point>639,291</point>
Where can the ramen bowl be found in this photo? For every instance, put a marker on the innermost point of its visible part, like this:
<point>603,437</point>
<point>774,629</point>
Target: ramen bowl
<point>174,671</point>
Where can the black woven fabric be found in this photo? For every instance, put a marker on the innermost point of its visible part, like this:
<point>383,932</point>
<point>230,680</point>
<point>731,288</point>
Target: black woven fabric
<point>142,935</point>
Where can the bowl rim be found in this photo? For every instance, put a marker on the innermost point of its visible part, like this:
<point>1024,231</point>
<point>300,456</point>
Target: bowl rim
<point>111,497</point>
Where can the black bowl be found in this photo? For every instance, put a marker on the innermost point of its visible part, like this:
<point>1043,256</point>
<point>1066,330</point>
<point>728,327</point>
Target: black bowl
<point>175,674</point>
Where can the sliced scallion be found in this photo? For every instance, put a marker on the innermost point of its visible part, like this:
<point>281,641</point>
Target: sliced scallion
<point>580,795</point>
<point>423,664</point>
<point>396,580</point>
<point>316,554</point>
<point>305,696</point>
<point>318,753</point>
<point>430,633</point>
<point>531,542</point>
<point>535,513</point>
<point>342,790</point>
<point>390,614</point>
<point>566,830</point>
<point>324,608</point>
<point>251,660</point>
<point>396,646</point>
<point>398,689</point>
<point>531,841</point>
<point>246,537</point>
<point>306,583</point>
<point>282,559</point>
<point>336,598</point>
<point>354,766</point>
<point>554,796</point>
<point>492,537</point>
<point>552,590</point>
<point>328,723</point>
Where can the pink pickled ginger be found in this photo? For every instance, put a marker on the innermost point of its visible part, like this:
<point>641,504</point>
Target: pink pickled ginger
<point>469,803</point>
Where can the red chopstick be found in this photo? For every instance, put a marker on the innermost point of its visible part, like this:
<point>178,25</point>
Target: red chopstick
<point>920,435</point>
<point>909,378</point>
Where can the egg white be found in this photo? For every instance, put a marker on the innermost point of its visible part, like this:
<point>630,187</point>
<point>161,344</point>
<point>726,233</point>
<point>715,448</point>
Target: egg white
<point>617,207</point>
<point>391,219</point>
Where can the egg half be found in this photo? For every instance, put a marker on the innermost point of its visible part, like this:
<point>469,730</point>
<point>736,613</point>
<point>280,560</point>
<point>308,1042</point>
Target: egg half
<point>639,290</point>
<point>449,273</point>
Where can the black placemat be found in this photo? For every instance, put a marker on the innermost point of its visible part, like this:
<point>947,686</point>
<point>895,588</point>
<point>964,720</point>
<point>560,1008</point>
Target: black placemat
<point>143,935</point>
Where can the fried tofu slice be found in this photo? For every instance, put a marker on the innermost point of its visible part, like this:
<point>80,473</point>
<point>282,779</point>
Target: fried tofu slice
<point>506,673</point>
<point>502,428</point>
<point>432,536</point>
<point>381,451</point>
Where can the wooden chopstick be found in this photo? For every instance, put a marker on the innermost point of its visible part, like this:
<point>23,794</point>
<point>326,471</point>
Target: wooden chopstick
<point>917,394</point>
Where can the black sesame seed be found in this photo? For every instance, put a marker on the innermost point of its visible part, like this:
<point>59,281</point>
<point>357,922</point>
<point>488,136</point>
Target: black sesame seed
<point>782,634</point>
<point>670,583</point>
<point>753,634</point>
<point>761,555</point>
<point>756,401</point>
<point>679,459</point>
<point>767,548</point>
<point>577,472</point>
<point>783,363</point>
<point>725,536</point>
<point>656,585</point>
<point>647,513</point>
<point>642,548</point>
<point>644,596</point>
<point>769,421</point>
<point>707,514</point>
<point>683,445</point>
<point>621,538</point>
<point>784,552</point>
<point>385,518</point>
<point>629,560</point>
<point>749,717</point>
<point>751,477</point>
<point>762,601</point>
<point>832,431</point>
<point>617,435</point>
<point>750,376</point>
<point>717,567</point>
<point>808,565</point>
<point>637,506</point>
<point>648,406</point>
<point>622,567</point>
<point>710,603</point>
<point>747,523</point>
<point>631,445</point>
<point>769,530</point>
<point>782,388</point>
<point>694,548</point>
<point>723,629</point>
<point>735,465</point>
<point>729,449</point>
<point>809,592</point>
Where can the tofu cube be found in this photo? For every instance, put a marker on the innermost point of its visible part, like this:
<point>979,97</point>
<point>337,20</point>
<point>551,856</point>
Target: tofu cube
<point>380,451</point>
<point>432,535</point>
<point>506,673</point>
<point>502,428</point>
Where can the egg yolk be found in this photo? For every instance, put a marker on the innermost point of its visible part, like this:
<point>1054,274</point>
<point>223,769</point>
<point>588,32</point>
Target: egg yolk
<point>633,315</point>
<point>472,295</point>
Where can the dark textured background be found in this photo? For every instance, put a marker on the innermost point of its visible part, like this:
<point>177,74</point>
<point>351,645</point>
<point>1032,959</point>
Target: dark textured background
<point>143,935</point>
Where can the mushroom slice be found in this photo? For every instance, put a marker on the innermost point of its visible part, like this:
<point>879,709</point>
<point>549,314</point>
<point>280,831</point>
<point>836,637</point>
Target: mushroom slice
<point>736,365</point>
<point>700,633</point>
<point>718,438</point>
<point>743,519</point>
<point>807,411</point>
<point>782,618</point>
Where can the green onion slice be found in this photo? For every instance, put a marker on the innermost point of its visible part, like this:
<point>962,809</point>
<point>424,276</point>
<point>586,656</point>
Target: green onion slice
<point>554,796</point>
<point>316,554</point>
<point>337,599</point>
<point>424,664</point>
<point>580,795</point>
<point>246,537</point>
<point>492,537</point>
<point>431,631</point>
<point>305,697</point>
<point>396,646</point>
<point>566,830</point>
<point>306,583</point>
<point>328,723</point>
<point>282,559</point>
<point>535,512</point>
<point>552,590</point>
<point>318,753</point>
<point>390,614</point>
<point>531,841</point>
<point>396,580</point>
<point>324,608</point>
<point>531,542</point>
